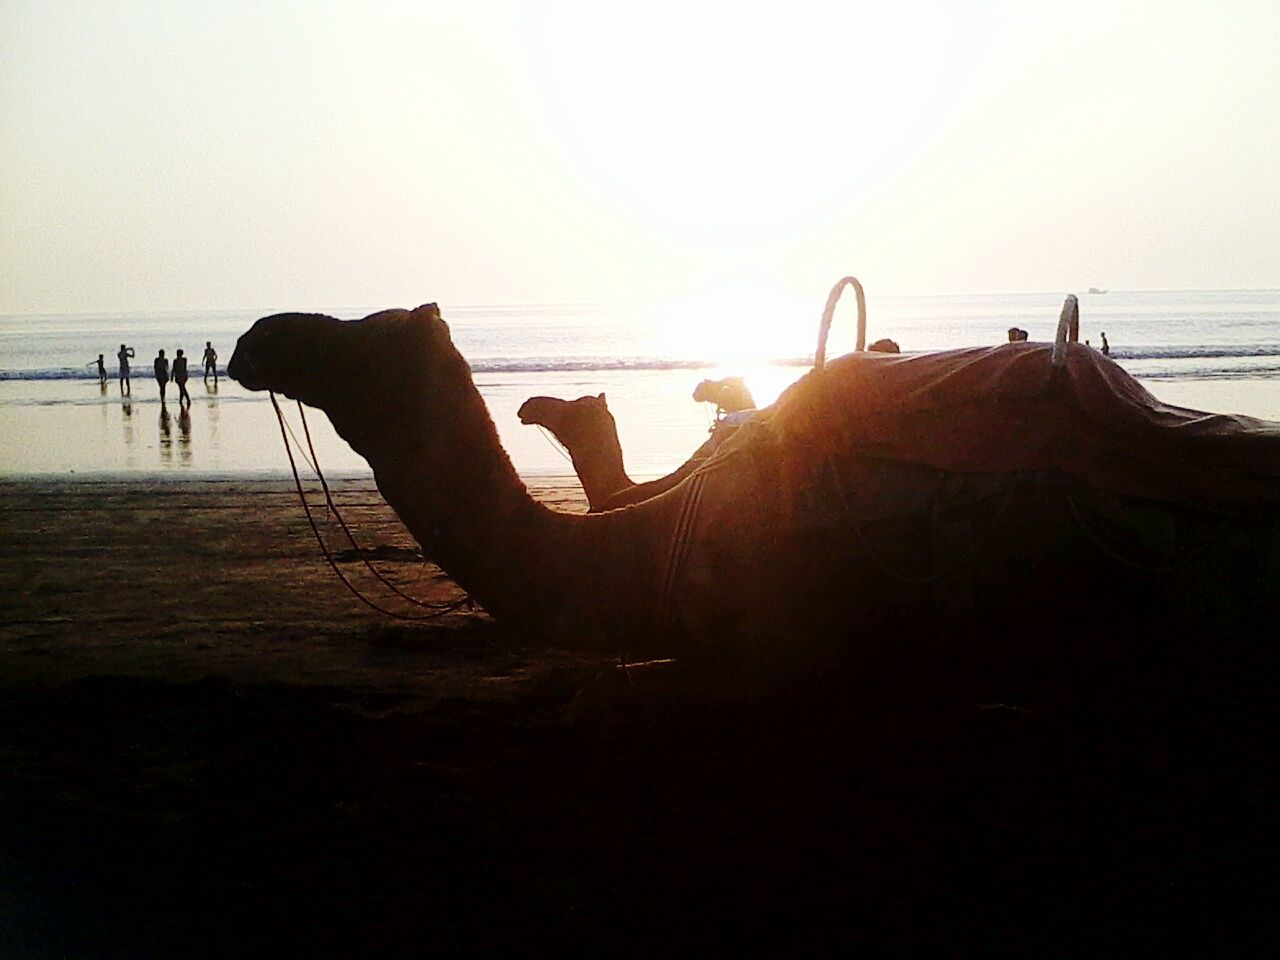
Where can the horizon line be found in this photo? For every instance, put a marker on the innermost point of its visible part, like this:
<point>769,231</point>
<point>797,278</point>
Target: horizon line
<point>616,304</point>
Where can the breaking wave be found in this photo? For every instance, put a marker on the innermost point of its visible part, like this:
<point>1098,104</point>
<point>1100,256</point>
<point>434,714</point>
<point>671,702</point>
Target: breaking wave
<point>1178,361</point>
<point>492,365</point>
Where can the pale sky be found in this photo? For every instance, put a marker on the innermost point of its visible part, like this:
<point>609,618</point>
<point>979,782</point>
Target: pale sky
<point>188,155</point>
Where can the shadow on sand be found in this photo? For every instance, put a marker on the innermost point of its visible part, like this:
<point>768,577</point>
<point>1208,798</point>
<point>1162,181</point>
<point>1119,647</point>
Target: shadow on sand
<point>148,818</point>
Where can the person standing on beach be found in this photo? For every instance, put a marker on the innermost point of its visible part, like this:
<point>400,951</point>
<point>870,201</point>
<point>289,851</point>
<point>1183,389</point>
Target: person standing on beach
<point>1106,347</point>
<point>123,356</point>
<point>102,369</point>
<point>210,361</point>
<point>162,373</point>
<point>180,378</point>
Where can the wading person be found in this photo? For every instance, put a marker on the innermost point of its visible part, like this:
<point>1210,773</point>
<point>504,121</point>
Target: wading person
<point>162,373</point>
<point>123,356</point>
<point>210,361</point>
<point>180,378</point>
<point>102,368</point>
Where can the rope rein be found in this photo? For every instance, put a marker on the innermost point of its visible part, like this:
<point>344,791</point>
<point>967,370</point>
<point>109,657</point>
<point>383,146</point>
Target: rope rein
<point>333,508</point>
<point>555,443</point>
<point>324,548</point>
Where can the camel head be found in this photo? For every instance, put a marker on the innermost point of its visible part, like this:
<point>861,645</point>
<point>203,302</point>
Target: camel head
<point>370,376</point>
<point>707,391</point>
<point>323,361</point>
<point>575,423</point>
<point>730,394</point>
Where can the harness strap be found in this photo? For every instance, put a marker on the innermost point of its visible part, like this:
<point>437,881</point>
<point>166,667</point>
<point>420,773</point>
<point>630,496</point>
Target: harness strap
<point>679,552</point>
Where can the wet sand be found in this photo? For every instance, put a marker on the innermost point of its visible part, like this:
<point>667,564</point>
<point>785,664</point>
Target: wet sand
<point>209,748</point>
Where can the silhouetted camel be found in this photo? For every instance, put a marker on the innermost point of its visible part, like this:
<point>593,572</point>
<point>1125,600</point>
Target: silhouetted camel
<point>729,395</point>
<point>954,511</point>
<point>586,429</point>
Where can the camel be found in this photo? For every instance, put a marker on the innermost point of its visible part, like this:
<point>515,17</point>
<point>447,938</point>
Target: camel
<point>730,395</point>
<point>993,513</point>
<point>586,429</point>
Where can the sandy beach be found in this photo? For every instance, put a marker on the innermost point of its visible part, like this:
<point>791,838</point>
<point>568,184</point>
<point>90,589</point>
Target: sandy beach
<point>209,748</point>
<point>176,580</point>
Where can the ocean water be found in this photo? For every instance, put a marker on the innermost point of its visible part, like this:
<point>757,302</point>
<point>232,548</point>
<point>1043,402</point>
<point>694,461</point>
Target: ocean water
<point>1214,350</point>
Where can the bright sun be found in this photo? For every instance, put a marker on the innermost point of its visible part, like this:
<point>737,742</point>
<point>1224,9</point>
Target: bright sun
<point>743,329</point>
<point>736,325</point>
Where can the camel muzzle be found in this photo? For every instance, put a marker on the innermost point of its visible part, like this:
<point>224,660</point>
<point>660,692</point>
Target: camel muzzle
<point>240,369</point>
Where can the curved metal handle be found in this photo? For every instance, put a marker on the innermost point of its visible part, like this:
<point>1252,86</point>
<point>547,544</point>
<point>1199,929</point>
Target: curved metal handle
<point>824,329</point>
<point>1068,330</point>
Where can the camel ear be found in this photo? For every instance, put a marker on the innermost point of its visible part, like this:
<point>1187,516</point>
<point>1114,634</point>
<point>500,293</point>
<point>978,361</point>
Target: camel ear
<point>601,398</point>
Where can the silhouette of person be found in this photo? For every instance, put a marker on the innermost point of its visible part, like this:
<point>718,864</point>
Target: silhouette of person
<point>162,373</point>
<point>102,368</point>
<point>180,377</point>
<point>210,361</point>
<point>123,356</point>
<point>1106,347</point>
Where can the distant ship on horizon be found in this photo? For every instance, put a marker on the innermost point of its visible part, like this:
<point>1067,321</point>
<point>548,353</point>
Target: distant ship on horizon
<point>1096,290</point>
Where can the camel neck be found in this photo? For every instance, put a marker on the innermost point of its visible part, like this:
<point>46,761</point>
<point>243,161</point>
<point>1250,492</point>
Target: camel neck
<point>456,491</point>
<point>601,473</point>
<point>500,546</point>
<point>588,582</point>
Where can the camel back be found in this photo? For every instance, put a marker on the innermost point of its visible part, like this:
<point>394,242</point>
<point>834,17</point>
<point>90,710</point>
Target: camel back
<point>1006,410</point>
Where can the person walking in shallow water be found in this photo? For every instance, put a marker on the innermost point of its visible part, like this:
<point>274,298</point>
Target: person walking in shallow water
<point>180,378</point>
<point>102,368</point>
<point>210,361</point>
<point>123,356</point>
<point>1106,347</point>
<point>162,373</point>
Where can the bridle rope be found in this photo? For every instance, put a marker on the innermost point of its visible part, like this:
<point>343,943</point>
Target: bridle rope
<point>333,508</point>
<point>555,443</point>
<point>437,609</point>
